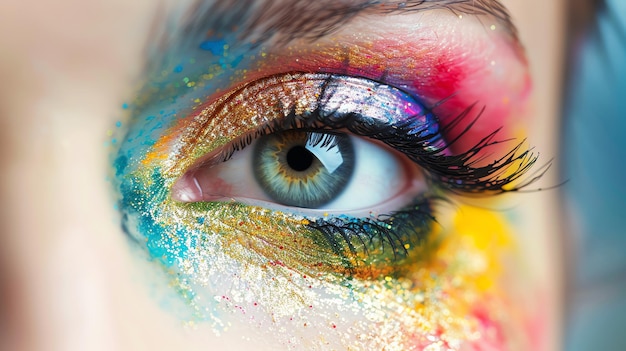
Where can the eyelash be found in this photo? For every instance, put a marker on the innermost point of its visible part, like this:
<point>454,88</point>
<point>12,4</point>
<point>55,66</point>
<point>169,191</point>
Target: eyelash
<point>454,173</point>
<point>398,231</point>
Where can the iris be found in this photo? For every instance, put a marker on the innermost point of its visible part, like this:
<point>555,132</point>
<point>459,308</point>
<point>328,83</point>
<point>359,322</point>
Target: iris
<point>303,169</point>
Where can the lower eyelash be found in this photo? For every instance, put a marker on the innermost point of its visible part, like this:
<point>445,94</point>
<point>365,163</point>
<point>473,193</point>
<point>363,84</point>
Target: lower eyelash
<point>392,234</point>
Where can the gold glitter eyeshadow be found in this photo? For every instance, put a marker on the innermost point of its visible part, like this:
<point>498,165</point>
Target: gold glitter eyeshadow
<point>215,125</point>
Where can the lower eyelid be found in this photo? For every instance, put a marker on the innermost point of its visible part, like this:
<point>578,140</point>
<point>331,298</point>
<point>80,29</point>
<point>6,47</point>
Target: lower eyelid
<point>291,238</point>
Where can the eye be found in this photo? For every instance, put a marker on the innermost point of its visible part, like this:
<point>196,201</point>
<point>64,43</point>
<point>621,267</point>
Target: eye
<point>302,124</point>
<point>312,171</point>
<point>353,165</point>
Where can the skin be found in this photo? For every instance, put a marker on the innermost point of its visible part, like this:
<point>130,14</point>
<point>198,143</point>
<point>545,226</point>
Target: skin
<point>67,278</point>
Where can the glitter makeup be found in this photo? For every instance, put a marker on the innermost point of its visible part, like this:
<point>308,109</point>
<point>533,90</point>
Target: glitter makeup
<point>420,274</point>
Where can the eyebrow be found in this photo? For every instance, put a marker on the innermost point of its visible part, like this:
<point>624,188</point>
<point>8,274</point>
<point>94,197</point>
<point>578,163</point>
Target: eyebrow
<point>261,20</point>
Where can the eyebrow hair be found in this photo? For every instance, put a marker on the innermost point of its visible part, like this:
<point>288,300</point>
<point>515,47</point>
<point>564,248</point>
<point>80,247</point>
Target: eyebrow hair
<point>260,20</point>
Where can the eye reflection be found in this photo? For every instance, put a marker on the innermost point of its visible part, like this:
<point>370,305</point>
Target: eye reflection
<point>303,169</point>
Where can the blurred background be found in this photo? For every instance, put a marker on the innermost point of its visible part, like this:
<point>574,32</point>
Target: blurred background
<point>593,151</point>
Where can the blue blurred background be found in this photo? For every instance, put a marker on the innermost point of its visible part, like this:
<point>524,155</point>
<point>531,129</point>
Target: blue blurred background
<point>594,162</point>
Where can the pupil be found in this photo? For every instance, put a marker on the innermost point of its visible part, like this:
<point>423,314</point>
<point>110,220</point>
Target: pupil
<point>299,158</point>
